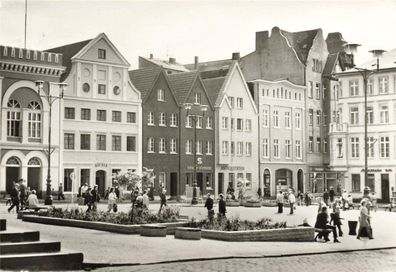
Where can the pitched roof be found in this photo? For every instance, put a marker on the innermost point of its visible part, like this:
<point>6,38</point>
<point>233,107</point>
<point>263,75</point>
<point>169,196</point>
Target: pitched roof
<point>166,64</point>
<point>210,65</point>
<point>181,84</point>
<point>144,79</point>
<point>213,87</point>
<point>68,52</point>
<point>330,64</point>
<point>335,42</point>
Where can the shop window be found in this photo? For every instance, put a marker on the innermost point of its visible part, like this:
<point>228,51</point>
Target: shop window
<point>371,182</point>
<point>355,182</point>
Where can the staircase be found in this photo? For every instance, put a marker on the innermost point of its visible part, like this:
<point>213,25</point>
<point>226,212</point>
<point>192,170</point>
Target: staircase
<point>21,249</point>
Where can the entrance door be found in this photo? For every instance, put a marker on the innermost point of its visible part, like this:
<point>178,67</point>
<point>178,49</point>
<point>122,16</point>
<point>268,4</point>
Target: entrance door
<point>385,188</point>
<point>200,182</point>
<point>12,174</point>
<point>221,183</point>
<point>34,180</point>
<point>173,184</point>
<point>267,183</point>
<point>100,180</point>
<point>300,180</point>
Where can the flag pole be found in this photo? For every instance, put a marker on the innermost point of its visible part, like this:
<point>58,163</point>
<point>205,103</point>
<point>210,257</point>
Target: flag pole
<point>25,21</point>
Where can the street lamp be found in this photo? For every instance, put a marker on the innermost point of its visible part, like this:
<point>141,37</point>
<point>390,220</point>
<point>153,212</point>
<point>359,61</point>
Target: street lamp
<point>365,73</point>
<point>194,118</point>
<point>51,99</point>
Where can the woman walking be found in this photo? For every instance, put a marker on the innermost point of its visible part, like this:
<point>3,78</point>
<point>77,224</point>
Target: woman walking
<point>364,222</point>
<point>111,201</point>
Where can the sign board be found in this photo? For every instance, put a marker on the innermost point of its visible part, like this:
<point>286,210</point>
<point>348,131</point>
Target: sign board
<point>100,164</point>
<point>377,170</point>
<point>232,168</point>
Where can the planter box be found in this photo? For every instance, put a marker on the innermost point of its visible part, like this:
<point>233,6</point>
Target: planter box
<point>117,228</point>
<point>297,234</point>
<point>188,233</point>
<point>232,203</point>
<point>153,230</point>
<point>252,204</point>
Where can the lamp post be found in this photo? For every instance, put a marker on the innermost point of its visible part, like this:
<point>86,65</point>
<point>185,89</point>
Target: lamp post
<point>365,73</point>
<point>51,99</point>
<point>194,119</point>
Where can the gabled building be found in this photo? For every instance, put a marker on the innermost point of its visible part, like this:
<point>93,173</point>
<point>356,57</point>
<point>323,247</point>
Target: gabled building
<point>101,115</point>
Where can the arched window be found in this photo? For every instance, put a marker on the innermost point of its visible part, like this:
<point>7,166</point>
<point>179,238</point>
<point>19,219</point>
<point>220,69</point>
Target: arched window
<point>34,162</point>
<point>34,125</point>
<point>14,161</point>
<point>14,119</point>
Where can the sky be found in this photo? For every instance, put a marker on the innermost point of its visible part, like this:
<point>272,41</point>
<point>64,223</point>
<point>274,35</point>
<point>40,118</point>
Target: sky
<point>212,30</point>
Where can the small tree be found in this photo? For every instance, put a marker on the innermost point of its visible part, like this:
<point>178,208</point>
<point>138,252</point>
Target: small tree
<point>127,180</point>
<point>147,178</point>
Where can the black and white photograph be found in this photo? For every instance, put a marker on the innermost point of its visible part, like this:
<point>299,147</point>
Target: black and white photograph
<point>198,136</point>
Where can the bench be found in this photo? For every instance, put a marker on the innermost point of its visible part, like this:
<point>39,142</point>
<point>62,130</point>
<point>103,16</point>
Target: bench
<point>321,232</point>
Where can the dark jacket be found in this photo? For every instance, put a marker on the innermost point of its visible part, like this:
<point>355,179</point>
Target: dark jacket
<point>321,220</point>
<point>325,195</point>
<point>88,198</point>
<point>95,195</point>
<point>222,206</point>
<point>331,194</point>
<point>14,196</point>
<point>163,198</point>
<point>209,204</point>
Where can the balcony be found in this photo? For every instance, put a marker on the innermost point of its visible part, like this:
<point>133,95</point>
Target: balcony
<point>338,128</point>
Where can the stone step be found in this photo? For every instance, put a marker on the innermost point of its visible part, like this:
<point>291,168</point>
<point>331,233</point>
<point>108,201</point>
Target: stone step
<point>3,224</point>
<point>29,247</point>
<point>42,261</point>
<point>8,236</point>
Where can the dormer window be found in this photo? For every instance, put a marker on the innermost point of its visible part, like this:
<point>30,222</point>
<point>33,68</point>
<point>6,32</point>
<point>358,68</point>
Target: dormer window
<point>160,95</point>
<point>197,98</point>
<point>101,54</point>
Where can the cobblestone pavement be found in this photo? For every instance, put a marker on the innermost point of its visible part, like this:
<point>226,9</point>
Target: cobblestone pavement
<point>360,261</point>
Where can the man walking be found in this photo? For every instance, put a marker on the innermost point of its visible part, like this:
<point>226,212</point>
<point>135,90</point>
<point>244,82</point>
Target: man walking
<point>292,200</point>
<point>163,200</point>
<point>279,201</point>
<point>209,207</point>
<point>60,192</point>
<point>95,198</point>
<point>14,198</point>
<point>222,205</point>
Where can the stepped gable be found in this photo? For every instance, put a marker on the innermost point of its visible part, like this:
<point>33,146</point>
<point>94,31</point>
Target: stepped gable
<point>181,84</point>
<point>144,79</point>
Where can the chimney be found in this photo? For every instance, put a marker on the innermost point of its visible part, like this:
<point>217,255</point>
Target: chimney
<point>261,40</point>
<point>236,56</point>
<point>172,60</point>
<point>196,61</point>
<point>151,56</point>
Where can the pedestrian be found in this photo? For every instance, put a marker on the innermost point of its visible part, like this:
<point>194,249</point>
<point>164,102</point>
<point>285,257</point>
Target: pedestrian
<point>146,200</point>
<point>331,194</point>
<point>32,200</point>
<point>84,189</point>
<point>279,201</point>
<point>95,198</point>
<point>307,199</point>
<point>107,192</point>
<point>326,197</point>
<point>88,199</point>
<point>365,229</point>
<point>300,198</point>
<point>117,192</point>
<point>344,197</point>
<point>209,207</point>
<point>112,201</point>
<point>336,219</point>
<point>222,205</point>
<point>292,201</point>
<point>60,192</point>
<point>22,193</point>
<point>163,200</point>
<point>14,194</point>
<point>322,220</point>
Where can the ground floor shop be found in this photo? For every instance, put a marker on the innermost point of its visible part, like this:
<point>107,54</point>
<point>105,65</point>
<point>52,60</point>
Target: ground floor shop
<point>321,178</point>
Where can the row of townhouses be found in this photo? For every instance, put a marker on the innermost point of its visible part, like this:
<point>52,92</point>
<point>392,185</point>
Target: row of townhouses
<point>289,114</point>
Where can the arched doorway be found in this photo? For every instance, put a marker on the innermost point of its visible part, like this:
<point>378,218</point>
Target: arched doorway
<point>13,172</point>
<point>283,179</point>
<point>267,183</point>
<point>100,180</point>
<point>300,180</point>
<point>34,175</point>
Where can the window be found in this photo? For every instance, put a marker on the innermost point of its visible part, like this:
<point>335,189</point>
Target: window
<point>310,89</point>
<point>150,145</point>
<point>354,115</point>
<point>248,125</point>
<point>298,149</point>
<point>131,143</point>
<point>265,148</point>
<point>265,118</point>
<point>189,121</point>
<point>232,103</point>
<point>310,144</point>
<point>101,115</point>
<point>276,119</point>
<point>383,85</point>
<point>249,176</point>
<point>208,148</point>
<point>317,90</point>
<point>150,120</point>
<point>224,147</point>
<point>85,141</point>
<point>198,147</point>
<point>116,143</point>
<point>85,114</point>
<point>317,66</point>
<point>371,182</point>
<point>325,145</point>
<point>101,53</point>
<point>209,180</point>
<point>370,143</point>
<point>101,89</point>
<point>34,119</point>
<point>161,145</point>
<point>239,102</point>
<point>384,114</point>
<point>310,115</point>
<point>287,119</point>
<point>276,148</point>
<point>248,149</point>
<point>197,98</point>
<point>287,149</point>
<point>356,183</point>
<point>339,148</point>
<point>199,121</point>
<point>232,151</point>
<point>224,122</point>
<point>189,146</point>
<point>162,119</point>
<point>173,146</point>
<point>384,147</point>
<point>353,87</point>
<point>370,87</point>
<point>173,120</point>
<point>116,116</point>
<point>131,117</point>
<point>160,95</point>
<point>209,124</point>
<point>318,117</point>
<point>239,124</point>
<point>298,120</point>
<point>355,147</point>
<point>68,139</point>
<point>100,142</point>
<point>318,144</point>
<point>232,124</point>
<point>69,113</point>
<point>162,179</point>
<point>370,115</point>
<point>239,148</point>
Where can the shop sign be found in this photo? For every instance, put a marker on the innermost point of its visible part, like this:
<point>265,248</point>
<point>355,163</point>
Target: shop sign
<point>377,170</point>
<point>100,164</point>
<point>232,168</point>
<point>200,168</point>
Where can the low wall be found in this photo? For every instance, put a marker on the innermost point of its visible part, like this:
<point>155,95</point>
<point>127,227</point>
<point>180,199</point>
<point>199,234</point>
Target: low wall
<point>117,228</point>
<point>297,234</point>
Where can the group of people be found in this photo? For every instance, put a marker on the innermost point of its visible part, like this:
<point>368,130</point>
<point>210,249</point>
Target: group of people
<point>22,197</point>
<point>90,196</point>
<point>209,206</point>
<point>282,198</point>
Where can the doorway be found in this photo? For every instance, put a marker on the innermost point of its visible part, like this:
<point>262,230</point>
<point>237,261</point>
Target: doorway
<point>34,180</point>
<point>200,182</point>
<point>220,179</point>
<point>300,180</point>
<point>173,184</point>
<point>100,180</point>
<point>385,188</point>
<point>12,174</point>
<point>267,183</point>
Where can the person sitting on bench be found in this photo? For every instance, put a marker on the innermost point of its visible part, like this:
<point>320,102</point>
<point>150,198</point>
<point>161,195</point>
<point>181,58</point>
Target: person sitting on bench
<point>33,202</point>
<point>322,223</point>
